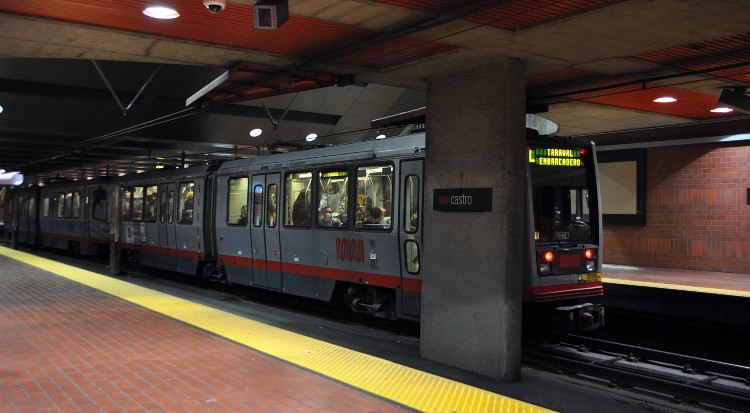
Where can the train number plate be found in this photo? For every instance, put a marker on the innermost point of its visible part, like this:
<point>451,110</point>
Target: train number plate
<point>563,235</point>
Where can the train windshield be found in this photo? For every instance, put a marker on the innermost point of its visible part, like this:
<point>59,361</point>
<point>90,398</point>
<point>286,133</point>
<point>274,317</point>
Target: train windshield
<point>563,196</point>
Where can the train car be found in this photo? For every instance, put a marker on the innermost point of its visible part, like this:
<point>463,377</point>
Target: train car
<point>333,224</point>
<point>343,224</point>
<point>564,217</point>
<point>74,216</point>
<point>166,219</point>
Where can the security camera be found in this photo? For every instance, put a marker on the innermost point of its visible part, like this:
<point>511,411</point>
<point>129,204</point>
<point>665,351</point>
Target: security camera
<point>215,6</point>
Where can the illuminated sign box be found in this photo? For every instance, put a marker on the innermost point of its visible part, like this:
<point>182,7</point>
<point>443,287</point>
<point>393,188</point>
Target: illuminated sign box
<point>462,200</point>
<point>556,157</point>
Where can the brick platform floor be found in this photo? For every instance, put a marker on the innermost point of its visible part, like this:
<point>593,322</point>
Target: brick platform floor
<point>65,347</point>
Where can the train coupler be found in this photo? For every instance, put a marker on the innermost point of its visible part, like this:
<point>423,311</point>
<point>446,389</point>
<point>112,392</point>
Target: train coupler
<point>581,317</point>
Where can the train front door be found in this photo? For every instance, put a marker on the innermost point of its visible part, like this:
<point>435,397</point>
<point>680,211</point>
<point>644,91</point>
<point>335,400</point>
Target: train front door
<point>166,224</point>
<point>264,231</point>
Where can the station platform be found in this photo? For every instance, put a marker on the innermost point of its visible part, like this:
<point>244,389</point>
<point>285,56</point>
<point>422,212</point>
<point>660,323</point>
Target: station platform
<point>76,340</point>
<point>708,282</point>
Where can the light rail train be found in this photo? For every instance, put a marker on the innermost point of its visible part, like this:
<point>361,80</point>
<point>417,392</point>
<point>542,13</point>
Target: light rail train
<point>340,224</point>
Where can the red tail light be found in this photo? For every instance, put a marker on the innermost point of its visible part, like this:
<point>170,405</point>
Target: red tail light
<point>590,253</point>
<point>548,256</point>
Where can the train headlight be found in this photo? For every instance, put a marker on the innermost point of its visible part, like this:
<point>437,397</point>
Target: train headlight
<point>545,260</point>
<point>591,265</point>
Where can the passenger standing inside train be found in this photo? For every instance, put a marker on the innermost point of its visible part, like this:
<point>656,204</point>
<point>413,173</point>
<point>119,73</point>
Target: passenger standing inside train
<point>271,205</point>
<point>243,216</point>
<point>332,198</point>
<point>300,212</point>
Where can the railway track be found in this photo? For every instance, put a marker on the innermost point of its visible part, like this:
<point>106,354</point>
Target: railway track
<point>708,384</point>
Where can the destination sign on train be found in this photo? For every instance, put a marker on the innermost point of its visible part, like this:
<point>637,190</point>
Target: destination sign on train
<point>555,157</point>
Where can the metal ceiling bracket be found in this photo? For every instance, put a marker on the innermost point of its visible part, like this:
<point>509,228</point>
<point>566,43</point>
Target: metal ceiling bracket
<point>276,123</point>
<point>114,94</point>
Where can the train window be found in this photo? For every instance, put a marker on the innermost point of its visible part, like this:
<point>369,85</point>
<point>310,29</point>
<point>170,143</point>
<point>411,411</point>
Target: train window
<point>75,204</point>
<point>185,203</point>
<point>257,205</point>
<point>237,201</point>
<point>411,204</point>
<point>47,206</point>
<point>272,203</point>
<point>163,207</point>
<point>151,194</point>
<point>332,199</point>
<point>374,204</point>
<point>297,199</point>
<point>137,203</point>
<point>31,205</point>
<point>411,255</point>
<point>170,208</point>
<point>126,203</point>
<point>60,206</point>
<point>99,209</point>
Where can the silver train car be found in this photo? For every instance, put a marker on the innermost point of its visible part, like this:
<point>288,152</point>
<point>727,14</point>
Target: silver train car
<point>342,224</point>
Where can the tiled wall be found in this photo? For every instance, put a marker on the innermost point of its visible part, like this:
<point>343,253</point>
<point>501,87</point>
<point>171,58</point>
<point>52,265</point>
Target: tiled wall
<point>697,215</point>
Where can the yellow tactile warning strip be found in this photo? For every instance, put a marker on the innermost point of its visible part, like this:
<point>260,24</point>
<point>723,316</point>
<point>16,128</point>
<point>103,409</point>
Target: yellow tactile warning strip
<point>406,386</point>
<point>680,287</point>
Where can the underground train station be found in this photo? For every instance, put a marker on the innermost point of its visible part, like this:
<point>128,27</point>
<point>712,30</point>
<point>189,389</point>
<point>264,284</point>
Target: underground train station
<point>284,205</point>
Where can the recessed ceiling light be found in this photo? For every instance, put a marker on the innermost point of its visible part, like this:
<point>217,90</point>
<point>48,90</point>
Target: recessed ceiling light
<point>161,12</point>
<point>665,99</point>
<point>311,137</point>
<point>1,109</point>
<point>722,110</point>
<point>256,132</point>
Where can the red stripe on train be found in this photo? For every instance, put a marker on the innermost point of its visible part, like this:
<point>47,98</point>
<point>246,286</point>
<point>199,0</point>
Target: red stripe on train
<point>562,291</point>
<point>356,277</point>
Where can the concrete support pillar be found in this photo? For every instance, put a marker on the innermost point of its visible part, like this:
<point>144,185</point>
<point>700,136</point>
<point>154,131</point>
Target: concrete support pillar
<point>473,261</point>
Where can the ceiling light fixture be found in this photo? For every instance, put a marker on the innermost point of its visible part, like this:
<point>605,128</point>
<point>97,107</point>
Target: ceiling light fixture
<point>665,99</point>
<point>256,132</point>
<point>311,137</point>
<point>722,110</point>
<point>381,136</point>
<point>161,12</point>
<point>1,109</point>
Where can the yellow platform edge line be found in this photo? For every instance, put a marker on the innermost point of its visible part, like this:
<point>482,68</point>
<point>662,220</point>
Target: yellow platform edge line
<point>403,385</point>
<point>681,287</point>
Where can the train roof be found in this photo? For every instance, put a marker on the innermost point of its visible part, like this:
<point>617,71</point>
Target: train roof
<point>396,147</point>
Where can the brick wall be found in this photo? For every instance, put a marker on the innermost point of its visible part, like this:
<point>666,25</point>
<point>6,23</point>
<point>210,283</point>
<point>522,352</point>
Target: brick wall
<point>697,215</point>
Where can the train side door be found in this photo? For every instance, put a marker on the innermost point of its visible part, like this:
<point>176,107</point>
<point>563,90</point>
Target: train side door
<point>410,236</point>
<point>264,231</point>
<point>166,224</point>
<point>232,233</point>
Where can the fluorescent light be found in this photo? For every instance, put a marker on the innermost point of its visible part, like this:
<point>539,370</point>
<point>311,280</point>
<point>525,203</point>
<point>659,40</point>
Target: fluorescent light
<point>256,132</point>
<point>665,99</point>
<point>722,110</point>
<point>161,12</point>
<point>311,137</point>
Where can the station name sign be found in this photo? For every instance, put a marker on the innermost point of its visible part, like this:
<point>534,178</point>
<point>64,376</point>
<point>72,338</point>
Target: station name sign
<point>556,157</point>
<point>462,200</point>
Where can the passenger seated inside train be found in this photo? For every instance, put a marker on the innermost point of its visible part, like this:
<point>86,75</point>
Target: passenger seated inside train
<point>326,218</point>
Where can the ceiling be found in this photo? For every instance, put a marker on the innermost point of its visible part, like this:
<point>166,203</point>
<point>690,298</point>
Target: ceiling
<point>95,87</point>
